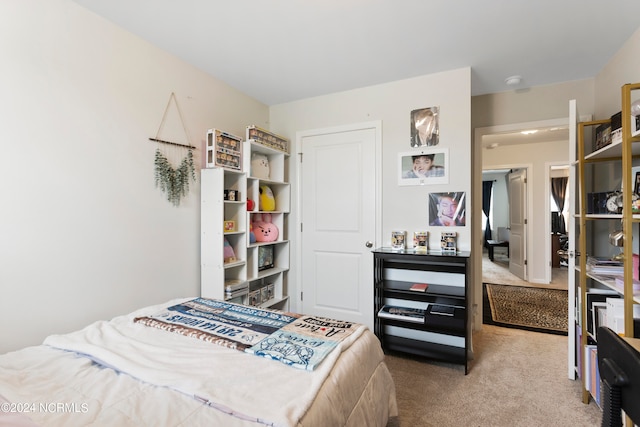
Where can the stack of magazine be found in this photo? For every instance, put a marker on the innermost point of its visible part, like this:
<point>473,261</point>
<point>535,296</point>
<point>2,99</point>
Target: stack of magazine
<point>235,288</point>
<point>604,266</point>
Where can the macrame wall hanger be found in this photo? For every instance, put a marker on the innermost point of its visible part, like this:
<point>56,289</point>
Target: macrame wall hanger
<point>174,181</point>
<point>164,118</point>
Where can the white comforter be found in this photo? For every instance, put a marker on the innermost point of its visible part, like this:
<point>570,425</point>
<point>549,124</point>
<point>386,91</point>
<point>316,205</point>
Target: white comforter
<point>159,378</point>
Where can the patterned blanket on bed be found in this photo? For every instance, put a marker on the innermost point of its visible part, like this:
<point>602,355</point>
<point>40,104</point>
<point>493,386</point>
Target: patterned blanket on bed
<point>297,340</point>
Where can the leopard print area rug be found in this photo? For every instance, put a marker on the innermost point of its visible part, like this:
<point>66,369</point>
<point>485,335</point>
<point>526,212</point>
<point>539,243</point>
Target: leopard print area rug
<point>534,309</point>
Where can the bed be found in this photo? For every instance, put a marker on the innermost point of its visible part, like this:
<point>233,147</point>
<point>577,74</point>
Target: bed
<point>131,372</point>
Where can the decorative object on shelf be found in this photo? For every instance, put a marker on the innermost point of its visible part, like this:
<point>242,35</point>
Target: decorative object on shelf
<point>616,128</point>
<point>267,201</point>
<point>229,253</point>
<point>229,226</point>
<point>224,150</point>
<point>398,240</point>
<point>268,139</point>
<point>603,136</point>
<point>265,257</point>
<point>447,209</point>
<point>448,241</point>
<point>424,166</point>
<point>250,205</point>
<point>173,182</point>
<point>616,239</point>
<point>264,229</point>
<point>232,195</point>
<point>260,166</point>
<point>425,127</point>
<point>614,202</point>
<point>635,118</point>
<point>420,241</point>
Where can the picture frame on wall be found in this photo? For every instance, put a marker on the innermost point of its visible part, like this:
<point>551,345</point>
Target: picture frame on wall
<point>423,166</point>
<point>447,209</point>
<point>425,127</point>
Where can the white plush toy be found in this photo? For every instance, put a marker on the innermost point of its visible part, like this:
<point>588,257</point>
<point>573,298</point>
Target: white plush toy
<point>260,166</point>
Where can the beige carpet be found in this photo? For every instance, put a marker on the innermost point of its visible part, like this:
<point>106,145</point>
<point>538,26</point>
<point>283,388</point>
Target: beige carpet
<point>518,378</point>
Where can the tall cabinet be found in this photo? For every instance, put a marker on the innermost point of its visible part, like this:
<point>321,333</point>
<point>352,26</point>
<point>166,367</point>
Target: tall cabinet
<point>596,168</point>
<point>234,266</point>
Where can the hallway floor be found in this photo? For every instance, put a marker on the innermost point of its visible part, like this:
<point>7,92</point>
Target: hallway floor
<point>498,272</point>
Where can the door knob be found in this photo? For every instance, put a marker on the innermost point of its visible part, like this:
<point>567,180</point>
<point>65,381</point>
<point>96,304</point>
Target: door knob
<point>369,243</point>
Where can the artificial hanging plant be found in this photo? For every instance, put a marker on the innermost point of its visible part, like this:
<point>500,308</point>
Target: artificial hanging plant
<point>174,182</point>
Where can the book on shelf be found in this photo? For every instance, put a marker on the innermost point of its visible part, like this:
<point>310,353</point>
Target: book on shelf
<point>442,310</point>
<point>604,266</point>
<point>407,314</point>
<point>620,284</point>
<point>419,287</point>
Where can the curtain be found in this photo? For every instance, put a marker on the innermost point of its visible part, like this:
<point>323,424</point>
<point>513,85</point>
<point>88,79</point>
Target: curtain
<point>487,187</point>
<point>558,191</point>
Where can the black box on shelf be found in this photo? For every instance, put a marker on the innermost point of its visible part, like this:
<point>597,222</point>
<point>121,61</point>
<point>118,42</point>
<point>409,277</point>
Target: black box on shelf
<point>596,203</point>
<point>603,136</point>
<point>616,127</point>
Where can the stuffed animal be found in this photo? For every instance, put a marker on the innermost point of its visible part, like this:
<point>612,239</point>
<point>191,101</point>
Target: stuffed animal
<point>267,201</point>
<point>228,253</point>
<point>264,229</point>
<point>260,166</point>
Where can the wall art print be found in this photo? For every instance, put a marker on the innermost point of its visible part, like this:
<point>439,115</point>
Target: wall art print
<point>424,166</point>
<point>425,127</point>
<point>447,209</point>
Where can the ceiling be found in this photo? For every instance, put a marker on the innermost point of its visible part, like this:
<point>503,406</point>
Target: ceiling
<point>283,50</point>
<point>528,136</point>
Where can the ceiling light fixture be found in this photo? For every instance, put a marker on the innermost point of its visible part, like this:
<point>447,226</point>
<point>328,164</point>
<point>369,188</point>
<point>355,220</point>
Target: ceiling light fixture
<point>513,80</point>
<point>529,132</point>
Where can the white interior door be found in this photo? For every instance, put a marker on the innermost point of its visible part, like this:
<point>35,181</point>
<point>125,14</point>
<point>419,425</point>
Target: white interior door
<point>338,209</point>
<point>517,223</point>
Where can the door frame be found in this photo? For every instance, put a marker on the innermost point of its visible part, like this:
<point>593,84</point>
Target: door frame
<point>548,167</point>
<point>477,236</point>
<point>300,135</point>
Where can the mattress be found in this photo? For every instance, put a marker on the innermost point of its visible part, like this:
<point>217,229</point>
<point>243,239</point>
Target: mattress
<point>122,373</point>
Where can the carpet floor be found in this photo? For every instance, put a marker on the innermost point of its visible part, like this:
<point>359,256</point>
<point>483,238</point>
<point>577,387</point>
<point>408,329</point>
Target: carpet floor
<point>532,309</point>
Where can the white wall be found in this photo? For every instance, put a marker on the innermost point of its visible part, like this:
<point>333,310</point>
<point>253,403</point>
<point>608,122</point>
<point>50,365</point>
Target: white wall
<point>84,233</point>
<point>392,103</point>
<point>623,68</point>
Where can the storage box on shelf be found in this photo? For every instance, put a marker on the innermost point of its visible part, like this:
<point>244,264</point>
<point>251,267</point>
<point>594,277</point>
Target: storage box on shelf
<point>432,320</point>
<point>594,279</point>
